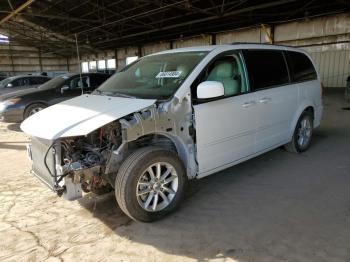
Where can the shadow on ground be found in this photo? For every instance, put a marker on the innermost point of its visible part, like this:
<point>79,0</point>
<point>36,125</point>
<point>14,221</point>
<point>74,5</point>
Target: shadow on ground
<point>16,145</point>
<point>14,127</point>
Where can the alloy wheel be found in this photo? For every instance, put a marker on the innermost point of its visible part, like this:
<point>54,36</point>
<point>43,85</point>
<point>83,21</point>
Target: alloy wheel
<point>35,110</point>
<point>157,186</point>
<point>304,132</point>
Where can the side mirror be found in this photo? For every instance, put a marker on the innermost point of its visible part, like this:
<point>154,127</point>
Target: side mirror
<point>9,85</point>
<point>210,89</point>
<point>64,88</point>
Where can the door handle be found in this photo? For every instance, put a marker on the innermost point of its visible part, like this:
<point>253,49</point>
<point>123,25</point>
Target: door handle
<point>248,104</point>
<point>265,100</point>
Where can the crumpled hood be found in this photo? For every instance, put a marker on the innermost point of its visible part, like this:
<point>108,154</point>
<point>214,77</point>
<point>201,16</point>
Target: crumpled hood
<point>81,115</point>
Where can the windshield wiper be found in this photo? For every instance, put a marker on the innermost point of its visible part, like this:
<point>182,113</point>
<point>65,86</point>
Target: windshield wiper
<point>98,92</point>
<point>111,93</point>
<point>122,95</point>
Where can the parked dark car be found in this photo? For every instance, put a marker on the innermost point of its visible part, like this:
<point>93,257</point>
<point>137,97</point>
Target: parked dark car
<point>15,83</point>
<point>15,107</point>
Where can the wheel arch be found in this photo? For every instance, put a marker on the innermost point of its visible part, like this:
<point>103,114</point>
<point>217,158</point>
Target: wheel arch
<point>33,103</point>
<point>306,106</point>
<point>165,140</point>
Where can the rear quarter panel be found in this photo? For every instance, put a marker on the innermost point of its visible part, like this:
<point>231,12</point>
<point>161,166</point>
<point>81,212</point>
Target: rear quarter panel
<point>309,95</point>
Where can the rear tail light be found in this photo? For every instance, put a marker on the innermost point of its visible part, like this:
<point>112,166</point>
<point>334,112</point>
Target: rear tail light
<point>322,89</point>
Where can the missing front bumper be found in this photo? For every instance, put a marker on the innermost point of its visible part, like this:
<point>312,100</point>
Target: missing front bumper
<point>45,157</point>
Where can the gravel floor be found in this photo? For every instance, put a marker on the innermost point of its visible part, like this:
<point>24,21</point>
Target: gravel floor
<point>278,206</point>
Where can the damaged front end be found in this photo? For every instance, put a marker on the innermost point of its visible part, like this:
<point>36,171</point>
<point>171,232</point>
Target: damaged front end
<point>90,163</point>
<point>71,166</point>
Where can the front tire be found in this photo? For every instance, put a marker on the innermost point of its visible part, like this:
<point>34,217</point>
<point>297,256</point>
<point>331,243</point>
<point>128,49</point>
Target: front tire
<point>150,184</point>
<point>302,134</point>
<point>33,109</point>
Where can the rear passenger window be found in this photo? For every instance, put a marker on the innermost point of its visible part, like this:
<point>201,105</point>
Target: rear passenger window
<point>35,81</point>
<point>42,80</point>
<point>97,80</point>
<point>266,68</point>
<point>301,68</point>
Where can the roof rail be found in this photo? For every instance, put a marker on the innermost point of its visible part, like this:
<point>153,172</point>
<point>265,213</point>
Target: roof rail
<point>239,43</point>
<point>252,43</point>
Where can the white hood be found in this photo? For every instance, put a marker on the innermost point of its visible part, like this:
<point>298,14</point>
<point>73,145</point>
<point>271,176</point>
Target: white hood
<point>81,115</point>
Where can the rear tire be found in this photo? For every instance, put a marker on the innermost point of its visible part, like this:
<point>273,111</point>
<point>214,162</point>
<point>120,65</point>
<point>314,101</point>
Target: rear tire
<point>33,109</point>
<point>150,184</point>
<point>302,134</point>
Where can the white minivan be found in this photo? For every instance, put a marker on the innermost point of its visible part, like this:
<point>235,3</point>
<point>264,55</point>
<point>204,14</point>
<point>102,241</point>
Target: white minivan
<point>173,116</point>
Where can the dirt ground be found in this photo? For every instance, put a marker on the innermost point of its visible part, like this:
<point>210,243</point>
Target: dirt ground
<point>276,207</point>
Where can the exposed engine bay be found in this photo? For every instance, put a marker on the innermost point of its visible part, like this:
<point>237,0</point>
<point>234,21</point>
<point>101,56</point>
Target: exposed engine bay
<point>84,159</point>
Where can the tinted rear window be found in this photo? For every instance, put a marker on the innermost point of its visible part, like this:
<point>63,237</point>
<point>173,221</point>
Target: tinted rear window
<point>97,80</point>
<point>37,80</point>
<point>300,66</point>
<point>266,68</point>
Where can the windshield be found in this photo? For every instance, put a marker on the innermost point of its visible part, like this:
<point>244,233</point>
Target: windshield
<point>153,77</point>
<point>53,83</point>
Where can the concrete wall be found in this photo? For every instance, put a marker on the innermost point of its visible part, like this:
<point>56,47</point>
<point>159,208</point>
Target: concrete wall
<point>154,48</point>
<point>254,35</point>
<point>17,59</point>
<point>193,41</point>
<point>327,39</point>
<point>73,64</point>
<point>333,66</point>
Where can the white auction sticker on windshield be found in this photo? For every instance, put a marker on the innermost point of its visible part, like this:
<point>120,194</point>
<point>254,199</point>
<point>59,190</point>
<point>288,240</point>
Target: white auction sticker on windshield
<point>169,74</point>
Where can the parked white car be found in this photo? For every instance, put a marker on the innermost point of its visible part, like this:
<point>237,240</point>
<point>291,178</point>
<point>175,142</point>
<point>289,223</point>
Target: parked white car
<point>173,116</point>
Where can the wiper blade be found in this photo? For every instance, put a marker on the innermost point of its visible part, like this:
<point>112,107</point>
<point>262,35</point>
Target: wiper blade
<point>98,92</point>
<point>113,94</point>
<point>122,95</point>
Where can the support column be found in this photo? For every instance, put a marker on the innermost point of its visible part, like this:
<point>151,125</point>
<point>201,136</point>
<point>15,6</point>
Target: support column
<point>213,39</point>
<point>40,60</point>
<point>139,51</point>
<point>11,58</point>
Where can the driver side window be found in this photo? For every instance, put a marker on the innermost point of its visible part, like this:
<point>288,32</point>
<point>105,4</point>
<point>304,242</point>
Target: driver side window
<point>18,82</point>
<point>228,70</point>
<point>77,83</point>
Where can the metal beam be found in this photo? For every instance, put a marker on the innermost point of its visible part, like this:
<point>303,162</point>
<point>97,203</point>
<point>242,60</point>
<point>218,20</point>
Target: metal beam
<point>205,19</point>
<point>66,18</point>
<point>134,16</point>
<point>16,11</point>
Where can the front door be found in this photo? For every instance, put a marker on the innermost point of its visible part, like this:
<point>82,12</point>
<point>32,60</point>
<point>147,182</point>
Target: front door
<point>225,128</point>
